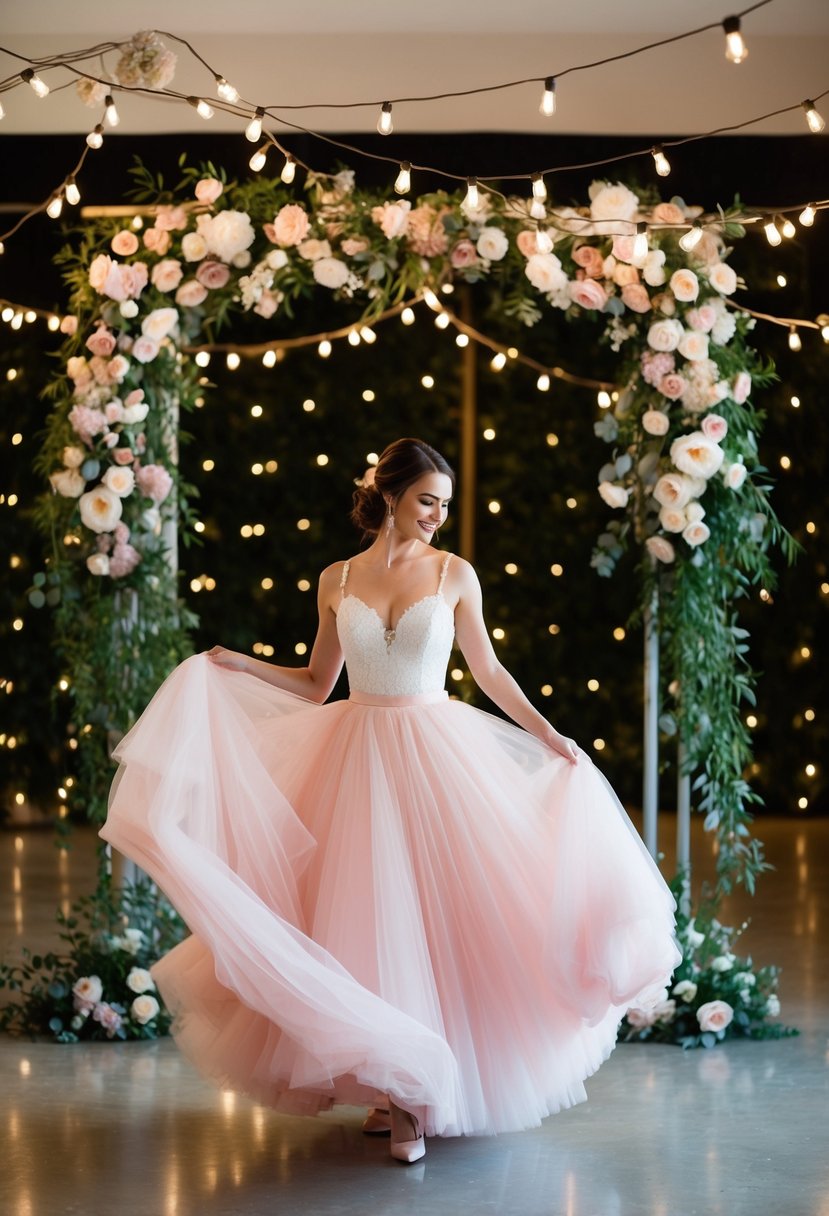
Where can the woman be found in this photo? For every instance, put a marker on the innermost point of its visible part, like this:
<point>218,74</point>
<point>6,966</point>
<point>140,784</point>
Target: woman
<point>397,900</point>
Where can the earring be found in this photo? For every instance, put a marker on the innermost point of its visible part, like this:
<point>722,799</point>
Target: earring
<point>389,529</point>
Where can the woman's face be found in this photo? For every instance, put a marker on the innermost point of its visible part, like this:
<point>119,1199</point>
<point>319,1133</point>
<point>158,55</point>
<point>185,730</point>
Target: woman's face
<point>422,508</point>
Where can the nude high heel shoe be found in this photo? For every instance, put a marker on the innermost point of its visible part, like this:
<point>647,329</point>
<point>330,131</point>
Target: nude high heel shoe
<point>377,1122</point>
<point>402,1124</point>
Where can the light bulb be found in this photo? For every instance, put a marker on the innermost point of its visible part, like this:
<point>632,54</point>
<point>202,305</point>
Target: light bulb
<point>253,130</point>
<point>442,320</point>
<point>324,349</point>
<point>807,215</point>
<point>2,111</point>
<point>368,334</point>
<point>787,228</point>
<point>407,316</point>
<point>40,87</point>
<point>539,189</point>
<point>54,206</point>
<point>640,245</point>
<point>201,107</point>
<point>537,210</point>
<point>385,126</point>
<point>735,48</point>
<point>232,361</point>
<point>257,161</point>
<point>815,121</point>
<point>543,383</point>
<point>288,170</point>
<point>353,338</point>
<point>403,182</point>
<point>111,115</point>
<point>472,198</point>
<point>95,138</point>
<point>543,241</point>
<point>269,358</point>
<point>498,361</point>
<point>690,239</point>
<point>73,194</point>
<point>794,339</point>
<point>661,162</point>
<point>772,232</point>
<point>431,299</point>
<point>823,322</point>
<point>548,100</point>
<point>226,91</point>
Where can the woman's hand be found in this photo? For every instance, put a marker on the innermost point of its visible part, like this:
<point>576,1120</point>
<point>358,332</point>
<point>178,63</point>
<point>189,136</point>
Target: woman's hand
<point>231,659</point>
<point>561,744</point>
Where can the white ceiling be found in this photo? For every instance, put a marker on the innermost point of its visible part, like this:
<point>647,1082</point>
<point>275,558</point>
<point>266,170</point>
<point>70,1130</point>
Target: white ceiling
<point>308,51</point>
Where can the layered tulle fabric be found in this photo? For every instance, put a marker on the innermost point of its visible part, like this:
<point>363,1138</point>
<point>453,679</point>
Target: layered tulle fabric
<point>387,895</point>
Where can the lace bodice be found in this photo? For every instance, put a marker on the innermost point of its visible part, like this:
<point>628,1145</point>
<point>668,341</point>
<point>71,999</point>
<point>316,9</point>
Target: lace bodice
<point>405,661</point>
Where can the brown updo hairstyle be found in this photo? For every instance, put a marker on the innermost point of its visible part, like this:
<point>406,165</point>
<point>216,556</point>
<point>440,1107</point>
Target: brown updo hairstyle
<point>399,466</point>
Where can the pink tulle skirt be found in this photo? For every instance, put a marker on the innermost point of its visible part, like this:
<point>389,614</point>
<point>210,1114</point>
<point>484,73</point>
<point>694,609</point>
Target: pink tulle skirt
<point>387,896</point>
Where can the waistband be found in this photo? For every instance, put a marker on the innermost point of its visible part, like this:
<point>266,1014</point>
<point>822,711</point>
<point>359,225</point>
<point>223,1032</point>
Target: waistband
<point>418,698</point>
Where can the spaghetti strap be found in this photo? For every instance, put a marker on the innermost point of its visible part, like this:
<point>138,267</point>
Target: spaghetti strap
<point>444,567</point>
<point>344,578</point>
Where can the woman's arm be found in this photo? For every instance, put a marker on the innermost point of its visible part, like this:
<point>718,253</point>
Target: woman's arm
<point>488,673</point>
<point>315,681</point>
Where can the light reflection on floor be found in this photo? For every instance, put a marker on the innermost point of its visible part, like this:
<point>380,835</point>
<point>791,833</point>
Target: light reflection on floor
<point>739,1131</point>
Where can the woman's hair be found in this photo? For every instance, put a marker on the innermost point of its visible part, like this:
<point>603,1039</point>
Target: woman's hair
<point>401,464</point>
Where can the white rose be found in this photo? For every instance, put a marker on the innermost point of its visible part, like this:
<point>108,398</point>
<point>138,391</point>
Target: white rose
<point>653,272</point>
<point>693,345</point>
<point>545,273</point>
<point>492,244</point>
<point>686,990</point>
<point>614,205</point>
<point>68,483</point>
<point>98,563</point>
<point>655,422</point>
<point>673,519</point>
<point>276,259</point>
<point>73,457</point>
<point>135,413</point>
<point>665,335</point>
<point>696,455</point>
<point>159,323</point>
<point>685,285</point>
<point>613,495</point>
<point>89,988</point>
<point>331,273</point>
<point>724,962</point>
<point>773,1006</point>
<point>144,1009</point>
<point>734,474</point>
<point>242,259</point>
<point>133,940</point>
<point>100,509</point>
<point>673,490</point>
<point>120,479</point>
<point>128,309</point>
<point>694,512</point>
<point>140,980</point>
<point>722,278</point>
<point>696,534</point>
<point>660,548</point>
<point>694,937</point>
<point>723,330</point>
<point>226,233</point>
<point>193,247</point>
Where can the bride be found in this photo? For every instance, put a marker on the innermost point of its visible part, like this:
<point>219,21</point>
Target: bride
<point>396,901</point>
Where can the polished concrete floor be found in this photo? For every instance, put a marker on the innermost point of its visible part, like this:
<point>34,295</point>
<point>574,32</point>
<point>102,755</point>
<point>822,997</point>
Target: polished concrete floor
<point>131,1130</point>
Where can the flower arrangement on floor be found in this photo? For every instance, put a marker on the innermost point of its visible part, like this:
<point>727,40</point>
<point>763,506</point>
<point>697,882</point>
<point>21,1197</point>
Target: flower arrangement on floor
<point>99,986</point>
<point>714,995</point>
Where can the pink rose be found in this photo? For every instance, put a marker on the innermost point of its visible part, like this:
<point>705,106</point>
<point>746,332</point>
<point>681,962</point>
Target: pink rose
<point>590,260</point>
<point>636,297</point>
<point>353,245</point>
<point>714,1015</point>
<point>463,254</point>
<point>526,242</point>
<point>170,219</point>
<point>672,386</point>
<point>588,294</point>
<point>290,225</point>
<point>267,304</point>
<point>213,274</point>
<point>154,482</point>
<point>624,275</point>
<point>661,548</point>
<point>69,325</point>
<point>102,342</point>
<point>135,397</point>
<point>145,349</point>
<point>715,427</point>
<point>641,1019</point>
<point>270,232</point>
<point>114,411</point>
<point>208,190</point>
<point>117,369</point>
<point>741,388</point>
<point>99,268</point>
<point>668,213</point>
<point>157,240</point>
<point>108,1018</point>
<point>191,294</point>
<point>124,282</point>
<point>123,456</point>
<point>703,319</point>
<point>623,248</point>
<point>124,243</point>
<point>167,274</point>
<point>655,422</point>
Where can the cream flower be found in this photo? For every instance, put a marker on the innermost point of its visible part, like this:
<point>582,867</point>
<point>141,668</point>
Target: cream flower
<point>139,980</point>
<point>100,509</point>
<point>673,519</point>
<point>226,233</point>
<point>715,1015</point>
<point>68,483</point>
<point>686,990</point>
<point>613,495</point>
<point>612,207</point>
<point>653,272</point>
<point>694,512</point>
<point>661,548</point>
<point>120,480</point>
<point>722,278</point>
<point>98,564</point>
<point>88,989</point>
<point>665,335</point>
<point>144,1009</point>
<point>696,534</point>
<point>193,247</point>
<point>73,457</point>
<point>492,244</point>
<point>331,272</point>
<point>715,427</point>
<point>312,250</point>
<point>685,285</point>
<point>655,422</point>
<point>545,273</point>
<point>159,323</point>
<point>696,455</point>
<point>673,490</point>
<point>734,475</point>
<point>693,345</point>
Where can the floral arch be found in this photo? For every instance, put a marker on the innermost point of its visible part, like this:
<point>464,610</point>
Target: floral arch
<point>682,478</point>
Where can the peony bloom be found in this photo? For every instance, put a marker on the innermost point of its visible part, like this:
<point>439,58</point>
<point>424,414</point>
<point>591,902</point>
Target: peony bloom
<point>331,272</point>
<point>228,233</point>
<point>655,366</point>
<point>154,482</point>
<point>68,483</point>
<point>98,564</point>
<point>545,273</point>
<point>213,275</point>
<point>587,293</point>
<point>157,240</point>
<point>139,980</point>
<point>636,298</point>
<point>170,218</point>
<point>144,1009</point>
<point>191,294</point>
<point>661,548</point>
<point>611,206</point>
<point>87,992</point>
<point>123,560</point>
<point>673,519</point>
<point>463,254</point>
<point>290,225</point>
<point>695,534</point>
<point>685,285</point>
<point>693,345</point>
<point>615,496</point>
<point>425,232</point>
<point>714,1015</point>
<point>87,423</point>
<point>722,278</point>
<point>208,189</point>
<point>492,244</point>
<point>696,455</point>
<point>167,274</point>
<point>715,427</point>
<point>741,388</point>
<point>120,480</point>
<point>145,349</point>
<point>665,335</point>
<point>734,475</point>
<point>100,509</point>
<point>655,422</point>
<point>159,323</point>
<point>123,282</point>
<point>686,990</point>
<point>673,490</point>
<point>589,259</point>
<point>393,218</point>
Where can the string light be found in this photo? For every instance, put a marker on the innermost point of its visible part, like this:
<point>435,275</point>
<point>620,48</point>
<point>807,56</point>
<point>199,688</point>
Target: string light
<point>815,121</point>
<point>661,162</point>
<point>548,98</point>
<point>823,322</point>
<point>288,170</point>
<point>640,244</point>
<point>257,161</point>
<point>40,87</point>
<point>226,91</point>
<point>543,240</point>
<point>442,320</point>
<point>794,339</point>
<point>368,335</point>
<point>431,299</point>
<point>385,126</point>
<point>782,280</point>
<point>269,358</point>
<point>537,209</point>
<point>807,215</point>
<point>543,383</point>
<point>73,194</point>
<point>403,181</point>
<point>202,108</point>
<point>253,131</point>
<point>95,137</point>
<point>232,361</point>
<point>55,205</point>
<point>772,232</point>
<point>202,358</point>
<point>472,198</point>
<point>735,48</point>
<point>353,338</point>
<point>539,189</point>
<point>111,115</point>
<point>407,316</point>
<point>324,349</point>
<point>787,228</point>
<point>498,362</point>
